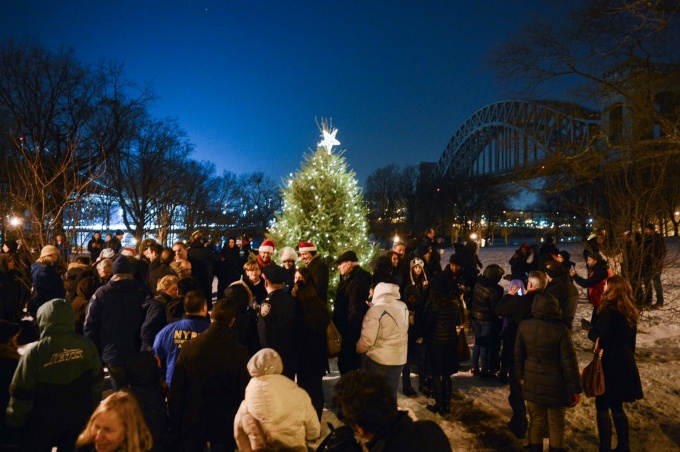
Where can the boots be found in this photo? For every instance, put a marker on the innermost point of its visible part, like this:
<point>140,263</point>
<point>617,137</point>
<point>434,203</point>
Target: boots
<point>438,395</point>
<point>604,430</point>
<point>445,407</point>
<point>535,447</point>
<point>622,431</point>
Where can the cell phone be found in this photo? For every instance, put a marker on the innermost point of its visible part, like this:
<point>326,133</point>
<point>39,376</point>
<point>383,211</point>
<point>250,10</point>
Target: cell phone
<point>520,292</point>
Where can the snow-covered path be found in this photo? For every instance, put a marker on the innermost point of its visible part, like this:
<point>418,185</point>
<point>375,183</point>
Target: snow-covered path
<point>480,410</point>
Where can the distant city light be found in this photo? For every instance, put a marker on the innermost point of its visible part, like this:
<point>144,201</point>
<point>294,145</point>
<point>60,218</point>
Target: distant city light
<point>14,221</point>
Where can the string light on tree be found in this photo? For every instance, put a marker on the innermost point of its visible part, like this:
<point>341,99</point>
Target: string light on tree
<point>322,204</point>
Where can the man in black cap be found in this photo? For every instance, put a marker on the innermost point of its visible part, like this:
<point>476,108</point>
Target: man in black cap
<point>114,320</point>
<point>278,319</point>
<point>350,307</point>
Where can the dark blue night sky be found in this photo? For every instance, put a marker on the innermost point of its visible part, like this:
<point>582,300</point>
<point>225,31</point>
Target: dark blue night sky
<point>246,79</point>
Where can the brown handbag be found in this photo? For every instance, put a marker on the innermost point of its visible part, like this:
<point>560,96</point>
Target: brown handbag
<point>463,349</point>
<point>592,377</point>
<point>333,340</point>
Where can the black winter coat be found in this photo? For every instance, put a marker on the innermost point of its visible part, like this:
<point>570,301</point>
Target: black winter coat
<point>405,434</point>
<point>13,293</point>
<point>441,319</point>
<point>319,270</point>
<point>485,297</point>
<point>208,385</point>
<point>617,341</point>
<point>350,304</point>
<point>448,284</point>
<point>144,376</point>
<point>114,320</point>
<point>47,283</point>
<point>203,260</point>
<point>566,293</point>
<point>229,269</point>
<point>156,318</point>
<point>278,328</point>
<point>545,357</point>
<point>519,267</point>
<point>157,274</point>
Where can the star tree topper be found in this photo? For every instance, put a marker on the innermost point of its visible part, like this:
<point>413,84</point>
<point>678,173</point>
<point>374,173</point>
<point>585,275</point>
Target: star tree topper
<point>329,140</point>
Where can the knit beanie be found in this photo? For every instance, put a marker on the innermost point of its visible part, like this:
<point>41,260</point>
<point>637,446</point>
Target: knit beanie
<point>121,266</point>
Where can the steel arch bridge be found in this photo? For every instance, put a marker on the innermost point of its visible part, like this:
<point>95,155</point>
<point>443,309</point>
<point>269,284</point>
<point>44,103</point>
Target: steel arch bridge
<point>504,137</point>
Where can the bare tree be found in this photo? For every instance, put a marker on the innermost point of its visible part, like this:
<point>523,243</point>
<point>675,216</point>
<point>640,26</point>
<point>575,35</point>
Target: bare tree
<point>382,197</point>
<point>260,200</point>
<point>47,102</point>
<point>143,174</point>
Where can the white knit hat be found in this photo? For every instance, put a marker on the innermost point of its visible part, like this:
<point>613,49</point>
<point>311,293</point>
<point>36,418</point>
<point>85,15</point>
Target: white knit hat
<point>288,254</point>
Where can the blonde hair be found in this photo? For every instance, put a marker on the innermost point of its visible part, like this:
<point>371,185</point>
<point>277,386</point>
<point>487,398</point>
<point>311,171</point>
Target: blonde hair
<point>166,282</point>
<point>50,259</point>
<point>105,263</point>
<point>251,265</point>
<point>137,435</point>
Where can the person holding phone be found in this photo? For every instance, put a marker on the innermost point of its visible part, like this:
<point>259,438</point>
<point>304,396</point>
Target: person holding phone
<point>515,308</point>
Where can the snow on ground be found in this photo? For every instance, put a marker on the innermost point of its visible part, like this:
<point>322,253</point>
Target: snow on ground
<point>480,410</point>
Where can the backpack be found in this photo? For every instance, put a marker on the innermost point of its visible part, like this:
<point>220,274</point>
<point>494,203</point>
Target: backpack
<point>340,439</point>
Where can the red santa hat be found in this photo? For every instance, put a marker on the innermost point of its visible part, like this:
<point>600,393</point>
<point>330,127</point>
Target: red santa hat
<point>306,246</point>
<point>129,251</point>
<point>267,246</point>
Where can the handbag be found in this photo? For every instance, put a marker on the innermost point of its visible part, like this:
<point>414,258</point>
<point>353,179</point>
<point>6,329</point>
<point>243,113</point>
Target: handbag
<point>333,340</point>
<point>463,349</point>
<point>592,377</point>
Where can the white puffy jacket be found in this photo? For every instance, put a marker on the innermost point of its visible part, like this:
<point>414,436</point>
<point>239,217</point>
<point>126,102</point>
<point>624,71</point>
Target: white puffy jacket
<point>384,332</point>
<point>276,413</point>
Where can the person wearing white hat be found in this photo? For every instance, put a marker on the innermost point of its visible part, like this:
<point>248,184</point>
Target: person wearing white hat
<point>276,413</point>
<point>288,258</point>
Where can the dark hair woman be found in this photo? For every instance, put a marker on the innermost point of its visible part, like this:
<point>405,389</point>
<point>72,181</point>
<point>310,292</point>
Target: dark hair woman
<point>442,315</point>
<point>614,333</point>
<point>312,358</point>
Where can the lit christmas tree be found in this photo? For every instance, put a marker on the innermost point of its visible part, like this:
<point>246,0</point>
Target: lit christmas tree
<point>323,204</point>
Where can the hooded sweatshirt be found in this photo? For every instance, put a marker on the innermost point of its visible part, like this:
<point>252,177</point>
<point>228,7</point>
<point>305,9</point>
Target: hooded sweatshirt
<point>59,381</point>
<point>384,332</point>
<point>275,414</point>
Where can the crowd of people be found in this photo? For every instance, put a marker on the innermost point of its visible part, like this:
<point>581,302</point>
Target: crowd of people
<point>184,362</point>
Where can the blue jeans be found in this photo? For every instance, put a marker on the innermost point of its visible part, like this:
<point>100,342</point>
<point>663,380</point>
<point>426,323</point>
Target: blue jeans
<point>391,373</point>
<point>482,347</point>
